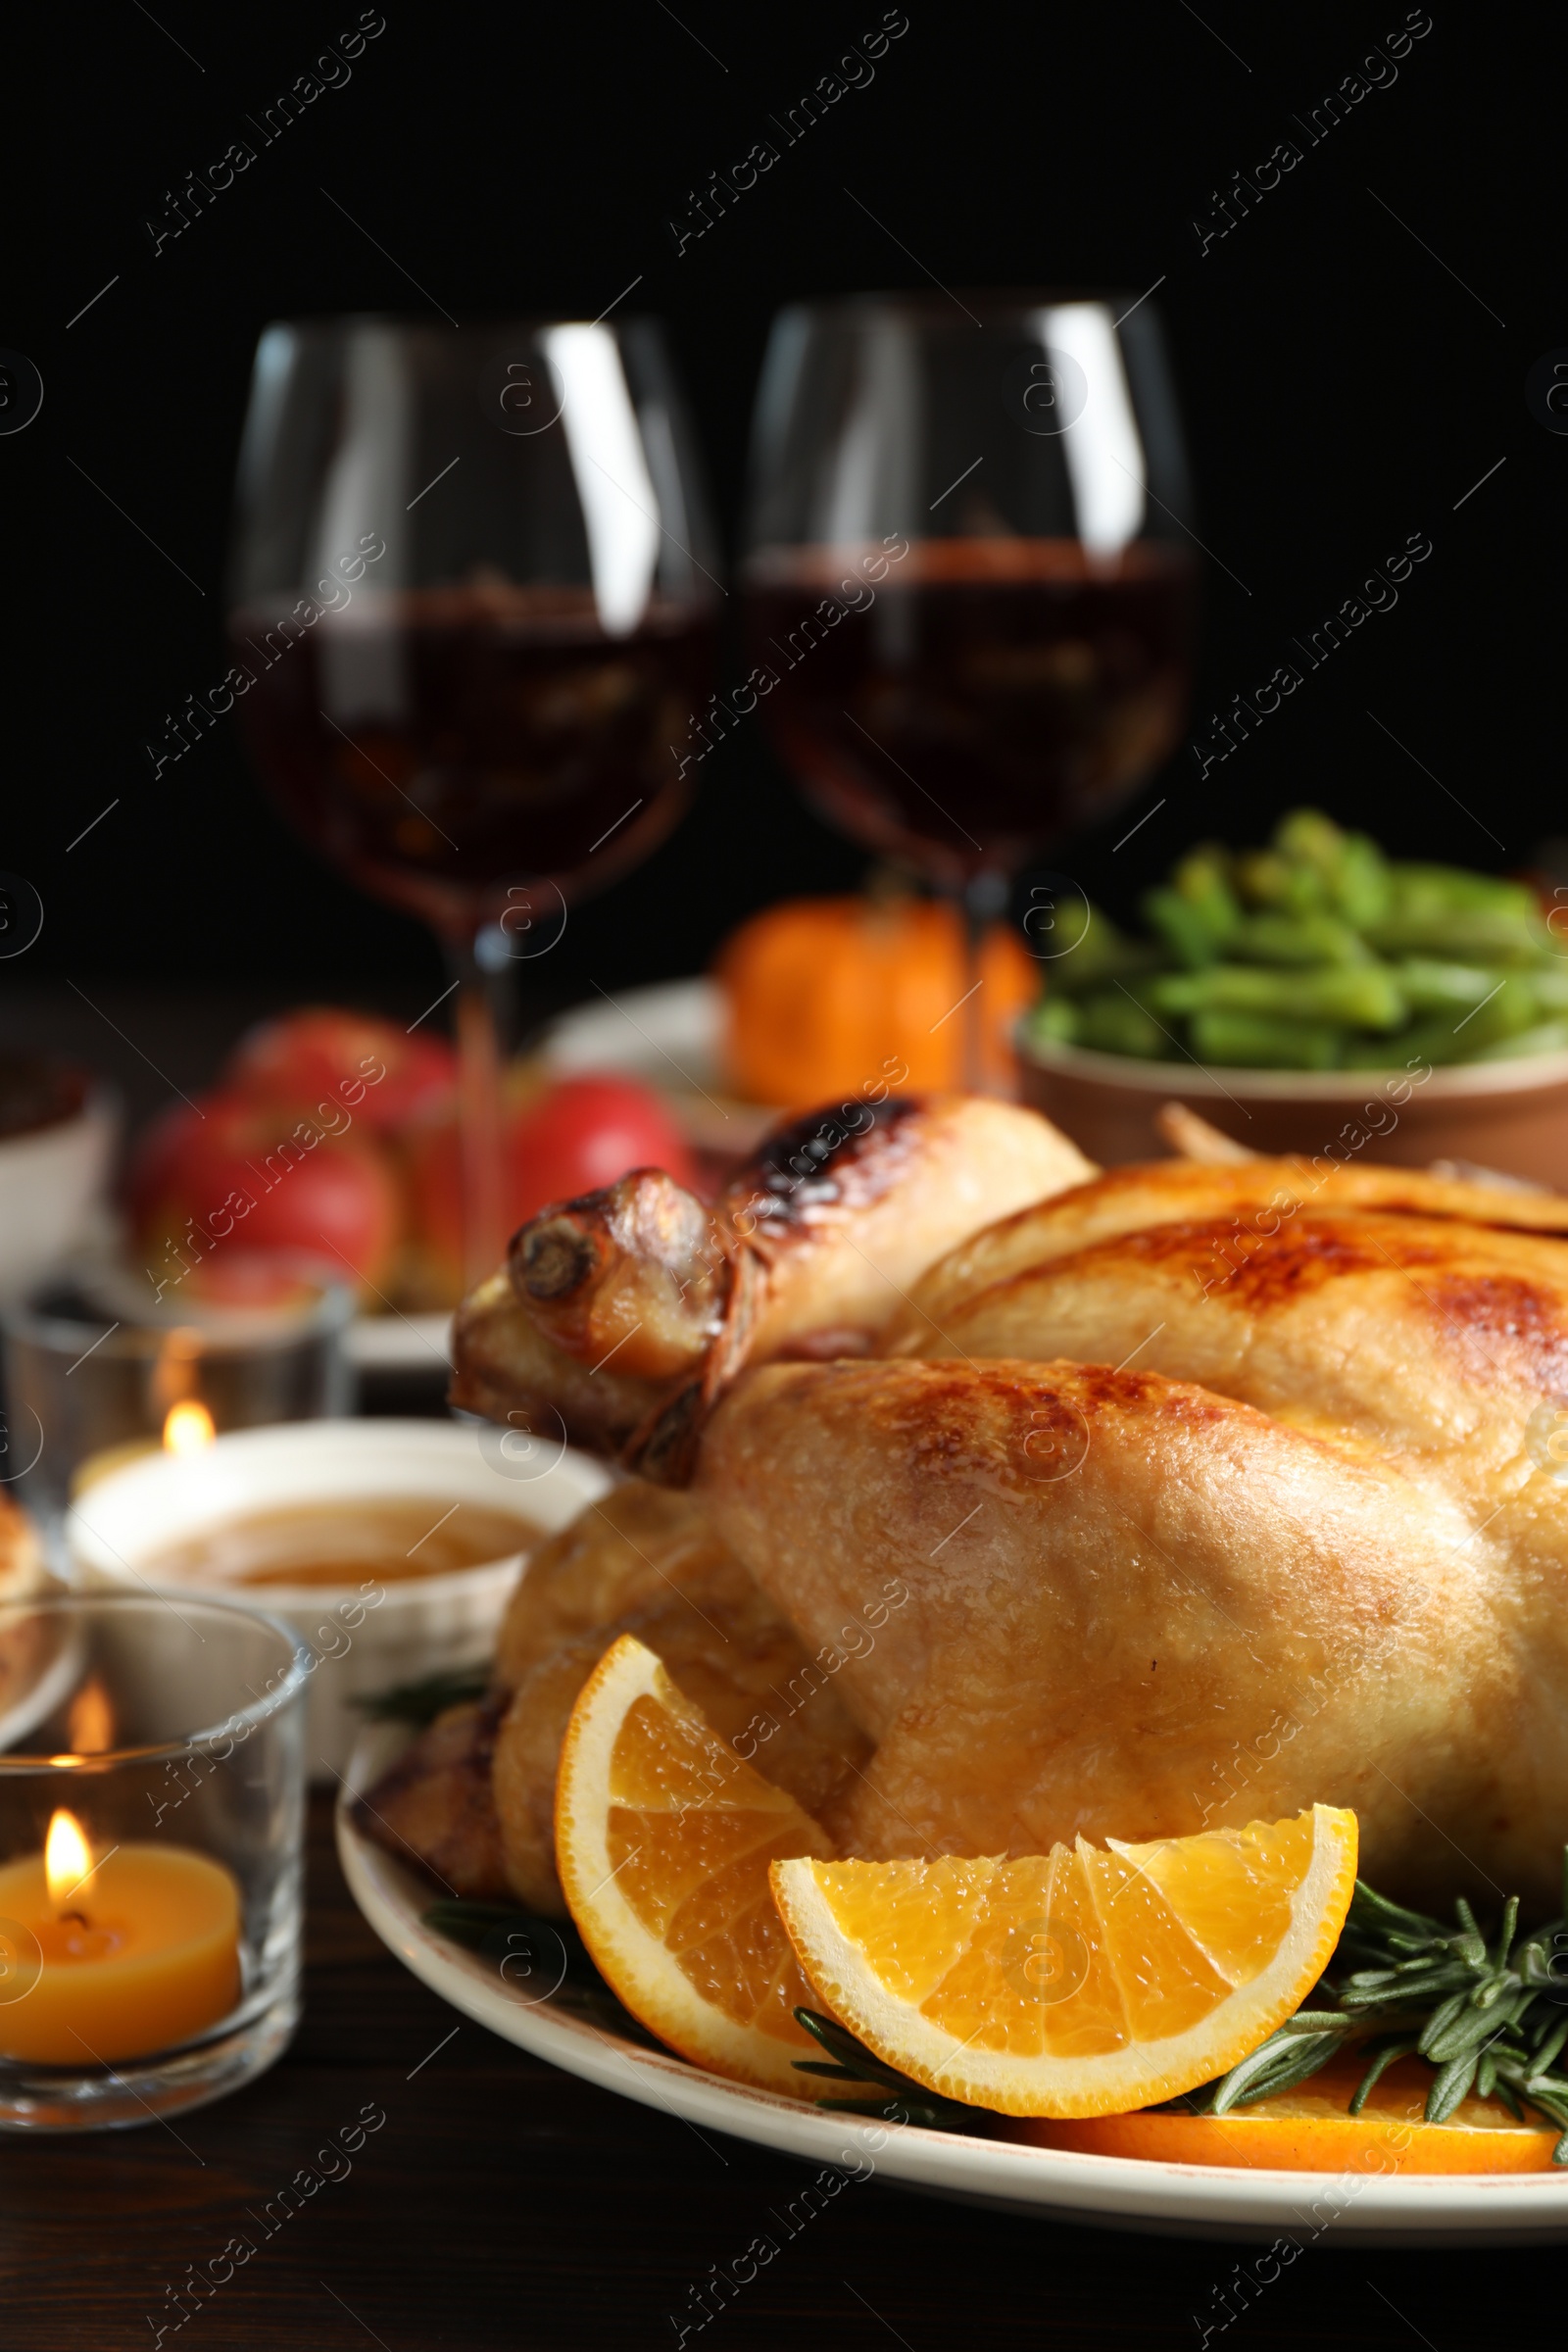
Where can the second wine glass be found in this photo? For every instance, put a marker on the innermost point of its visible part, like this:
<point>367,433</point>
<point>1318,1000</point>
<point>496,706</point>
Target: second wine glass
<point>970,593</point>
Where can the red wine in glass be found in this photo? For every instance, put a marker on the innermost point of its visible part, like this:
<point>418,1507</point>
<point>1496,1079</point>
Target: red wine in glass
<point>998,694</point>
<point>970,589</point>
<point>471,607</point>
<point>520,744</point>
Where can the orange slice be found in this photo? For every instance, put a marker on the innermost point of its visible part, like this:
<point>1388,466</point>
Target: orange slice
<point>663,1839</point>
<point>1309,2130</point>
<point>1076,1982</point>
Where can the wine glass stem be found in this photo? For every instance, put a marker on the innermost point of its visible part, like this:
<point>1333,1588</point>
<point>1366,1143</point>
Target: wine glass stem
<point>983,898</point>
<point>478,1029</point>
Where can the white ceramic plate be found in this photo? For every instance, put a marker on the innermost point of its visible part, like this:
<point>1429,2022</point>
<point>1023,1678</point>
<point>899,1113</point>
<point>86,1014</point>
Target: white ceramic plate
<point>1176,2200</point>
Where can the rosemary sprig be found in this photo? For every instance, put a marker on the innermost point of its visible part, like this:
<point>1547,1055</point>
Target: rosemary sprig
<point>422,1701</point>
<point>547,1948</point>
<point>1485,2016</point>
<point>851,2062</point>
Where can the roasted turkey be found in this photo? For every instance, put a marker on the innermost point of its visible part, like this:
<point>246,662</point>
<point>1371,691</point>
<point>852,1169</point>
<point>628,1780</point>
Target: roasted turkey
<point>1210,1492</point>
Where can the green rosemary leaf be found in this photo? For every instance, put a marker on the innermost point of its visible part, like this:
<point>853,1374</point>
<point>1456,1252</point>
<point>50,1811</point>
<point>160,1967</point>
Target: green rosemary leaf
<point>1553,2039</point>
<point>505,1930</point>
<point>841,2044</point>
<point>1506,2092</point>
<point>911,2102</point>
<point>1373,1914</point>
<point>1378,2066</point>
<point>1450,2086</point>
<point>1278,2064</point>
<point>467,1922</point>
<point>422,1701</point>
<point>1506,1931</point>
<point>1448,2013</point>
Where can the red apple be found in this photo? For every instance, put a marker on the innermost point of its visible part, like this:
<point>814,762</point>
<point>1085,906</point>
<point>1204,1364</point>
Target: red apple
<point>227,1173</point>
<point>309,1057</point>
<point>571,1138</point>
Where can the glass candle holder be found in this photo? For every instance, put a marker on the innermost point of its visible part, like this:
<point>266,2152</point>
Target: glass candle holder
<point>92,1379</point>
<point>152,1789</point>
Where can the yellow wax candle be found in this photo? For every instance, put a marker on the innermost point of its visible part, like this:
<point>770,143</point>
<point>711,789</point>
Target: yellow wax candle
<point>143,1952</point>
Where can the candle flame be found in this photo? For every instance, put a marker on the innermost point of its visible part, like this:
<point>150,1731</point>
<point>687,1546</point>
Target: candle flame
<point>67,1858</point>
<point>187,1426</point>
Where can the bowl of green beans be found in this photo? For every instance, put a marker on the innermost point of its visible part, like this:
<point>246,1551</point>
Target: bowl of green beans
<point>1270,987</point>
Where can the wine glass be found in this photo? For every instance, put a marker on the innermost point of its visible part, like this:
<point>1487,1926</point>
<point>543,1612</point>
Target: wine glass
<point>473,605</point>
<point>970,593</point>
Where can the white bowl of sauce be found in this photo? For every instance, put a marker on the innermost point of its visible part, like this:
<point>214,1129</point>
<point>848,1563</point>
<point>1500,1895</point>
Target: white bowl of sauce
<point>390,1546</point>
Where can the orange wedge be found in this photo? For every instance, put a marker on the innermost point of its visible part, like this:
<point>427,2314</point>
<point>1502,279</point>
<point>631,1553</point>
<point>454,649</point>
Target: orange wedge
<point>1079,1981</point>
<point>663,1840</point>
<point>1309,2130</point>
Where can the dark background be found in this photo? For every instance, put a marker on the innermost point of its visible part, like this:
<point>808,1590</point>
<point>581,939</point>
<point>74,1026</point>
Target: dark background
<point>1342,389</point>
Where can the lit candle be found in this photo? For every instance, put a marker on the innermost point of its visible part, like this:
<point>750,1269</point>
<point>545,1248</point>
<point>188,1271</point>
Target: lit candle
<point>187,1426</point>
<point>134,1953</point>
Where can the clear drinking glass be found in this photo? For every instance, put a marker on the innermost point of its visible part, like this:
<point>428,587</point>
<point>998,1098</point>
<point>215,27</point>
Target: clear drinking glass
<point>92,1379</point>
<point>472,608</point>
<point>152,1792</point>
<point>970,594</point>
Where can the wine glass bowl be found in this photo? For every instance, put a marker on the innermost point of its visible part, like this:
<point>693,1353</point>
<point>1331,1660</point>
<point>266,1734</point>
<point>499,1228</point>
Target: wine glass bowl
<point>472,608</point>
<point>469,593</point>
<point>1009,470</point>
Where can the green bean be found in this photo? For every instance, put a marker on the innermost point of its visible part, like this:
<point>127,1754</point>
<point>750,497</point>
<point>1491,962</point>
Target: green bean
<point>1115,1023</point>
<point>1250,1041</point>
<point>1087,950</point>
<point>1418,887</point>
<point>1182,927</point>
<point>1298,940</point>
<point>1465,934</point>
<point>1055,1021</point>
<point>1430,986</point>
<point>1447,1037</point>
<point>1263,877</point>
<point>1355,996</point>
<point>1202,879</point>
<point>1364,890</point>
<point>1307,837</point>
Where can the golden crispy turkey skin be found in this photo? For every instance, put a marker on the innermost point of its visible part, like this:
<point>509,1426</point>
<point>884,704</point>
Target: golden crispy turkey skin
<point>1255,1199</point>
<point>1137,1607</point>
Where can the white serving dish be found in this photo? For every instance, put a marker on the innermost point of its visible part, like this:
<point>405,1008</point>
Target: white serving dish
<point>424,1625</point>
<point>52,1181</point>
<point>1048,2184</point>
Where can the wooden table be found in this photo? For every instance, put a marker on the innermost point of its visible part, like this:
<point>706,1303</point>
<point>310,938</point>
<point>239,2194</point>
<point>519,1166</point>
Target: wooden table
<point>502,2204</point>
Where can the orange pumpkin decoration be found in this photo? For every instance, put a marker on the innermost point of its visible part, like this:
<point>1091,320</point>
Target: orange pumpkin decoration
<point>827,995</point>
